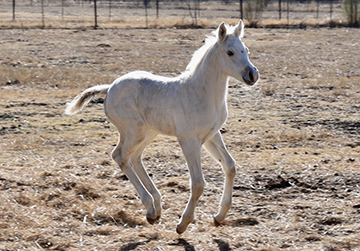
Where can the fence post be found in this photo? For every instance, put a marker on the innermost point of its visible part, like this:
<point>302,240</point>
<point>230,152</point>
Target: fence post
<point>195,12</point>
<point>356,20</point>
<point>109,9</point>
<point>317,8</point>
<point>279,9</point>
<point>288,12</point>
<point>146,2</point>
<point>157,9</point>
<point>13,10</point>
<point>62,9</point>
<point>42,14</point>
<point>241,10</point>
<point>331,11</point>
<point>95,13</point>
<point>198,7</point>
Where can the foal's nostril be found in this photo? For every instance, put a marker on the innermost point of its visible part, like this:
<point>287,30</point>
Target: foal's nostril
<point>251,76</point>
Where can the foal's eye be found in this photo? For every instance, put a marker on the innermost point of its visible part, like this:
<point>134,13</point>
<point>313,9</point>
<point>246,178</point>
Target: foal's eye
<point>230,53</point>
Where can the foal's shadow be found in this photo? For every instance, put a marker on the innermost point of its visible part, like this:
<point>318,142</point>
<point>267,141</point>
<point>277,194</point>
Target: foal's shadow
<point>134,245</point>
<point>187,245</point>
<point>181,242</point>
<point>131,246</point>
<point>223,246</point>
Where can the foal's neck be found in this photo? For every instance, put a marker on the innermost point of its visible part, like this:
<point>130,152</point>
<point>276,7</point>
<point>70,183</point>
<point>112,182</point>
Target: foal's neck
<point>208,77</point>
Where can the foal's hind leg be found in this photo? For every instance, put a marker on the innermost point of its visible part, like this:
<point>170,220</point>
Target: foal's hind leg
<point>144,177</point>
<point>217,149</point>
<point>122,154</point>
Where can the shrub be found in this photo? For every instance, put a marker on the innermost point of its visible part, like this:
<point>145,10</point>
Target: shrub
<point>253,11</point>
<point>351,8</point>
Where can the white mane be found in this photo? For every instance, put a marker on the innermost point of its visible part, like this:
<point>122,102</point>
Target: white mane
<point>200,54</point>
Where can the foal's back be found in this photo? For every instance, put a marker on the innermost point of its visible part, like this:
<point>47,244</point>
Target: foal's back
<point>145,98</point>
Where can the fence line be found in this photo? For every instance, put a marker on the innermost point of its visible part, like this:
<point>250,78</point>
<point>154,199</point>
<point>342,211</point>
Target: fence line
<point>162,13</point>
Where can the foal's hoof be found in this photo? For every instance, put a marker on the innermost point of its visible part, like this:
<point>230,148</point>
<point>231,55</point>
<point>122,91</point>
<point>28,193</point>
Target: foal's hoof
<point>180,230</point>
<point>216,222</point>
<point>153,221</point>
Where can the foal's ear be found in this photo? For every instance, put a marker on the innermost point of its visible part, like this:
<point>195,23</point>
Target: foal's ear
<point>222,32</point>
<point>239,29</point>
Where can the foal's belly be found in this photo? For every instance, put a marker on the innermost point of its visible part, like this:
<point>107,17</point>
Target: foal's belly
<point>159,120</point>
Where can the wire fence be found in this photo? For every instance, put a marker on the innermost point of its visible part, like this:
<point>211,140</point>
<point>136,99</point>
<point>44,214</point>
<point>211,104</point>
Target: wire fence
<point>162,13</point>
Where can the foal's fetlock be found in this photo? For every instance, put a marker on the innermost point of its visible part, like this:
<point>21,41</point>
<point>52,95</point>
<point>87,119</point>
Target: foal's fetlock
<point>148,202</point>
<point>153,216</point>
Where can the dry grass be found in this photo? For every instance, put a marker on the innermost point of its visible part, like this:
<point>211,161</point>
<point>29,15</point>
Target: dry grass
<point>167,22</point>
<point>295,137</point>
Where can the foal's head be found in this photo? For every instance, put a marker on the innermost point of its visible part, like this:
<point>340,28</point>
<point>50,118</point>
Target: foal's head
<point>233,54</point>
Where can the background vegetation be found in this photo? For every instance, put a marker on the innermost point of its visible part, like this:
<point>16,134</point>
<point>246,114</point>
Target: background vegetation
<point>158,13</point>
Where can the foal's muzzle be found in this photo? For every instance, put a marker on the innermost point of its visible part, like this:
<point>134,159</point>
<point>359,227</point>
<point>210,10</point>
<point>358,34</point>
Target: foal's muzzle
<point>251,75</point>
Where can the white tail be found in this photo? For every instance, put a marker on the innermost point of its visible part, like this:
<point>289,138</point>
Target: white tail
<point>81,100</point>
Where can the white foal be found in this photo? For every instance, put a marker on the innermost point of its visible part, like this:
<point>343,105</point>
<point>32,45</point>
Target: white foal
<point>191,107</point>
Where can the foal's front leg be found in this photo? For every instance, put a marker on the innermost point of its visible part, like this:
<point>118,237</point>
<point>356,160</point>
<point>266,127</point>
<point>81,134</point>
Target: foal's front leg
<point>192,150</point>
<point>215,146</point>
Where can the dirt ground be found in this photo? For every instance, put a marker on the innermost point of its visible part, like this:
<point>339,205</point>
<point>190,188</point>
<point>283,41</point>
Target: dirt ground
<point>295,137</point>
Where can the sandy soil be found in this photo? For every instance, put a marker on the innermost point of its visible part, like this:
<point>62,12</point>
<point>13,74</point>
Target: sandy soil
<point>295,136</point>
